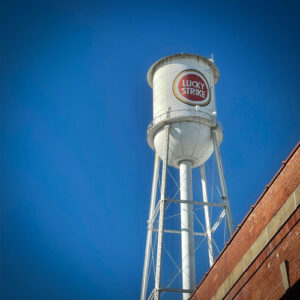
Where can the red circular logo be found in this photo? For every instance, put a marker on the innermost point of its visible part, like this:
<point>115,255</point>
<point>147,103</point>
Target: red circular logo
<point>191,87</point>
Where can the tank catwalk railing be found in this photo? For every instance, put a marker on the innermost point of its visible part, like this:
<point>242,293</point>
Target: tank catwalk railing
<point>171,114</point>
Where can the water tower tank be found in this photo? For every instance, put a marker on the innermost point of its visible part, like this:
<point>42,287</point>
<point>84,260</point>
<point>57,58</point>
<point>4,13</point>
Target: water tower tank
<point>184,133</point>
<point>183,96</point>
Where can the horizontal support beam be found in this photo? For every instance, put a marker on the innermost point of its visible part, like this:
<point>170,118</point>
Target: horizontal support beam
<point>175,290</point>
<point>178,231</point>
<point>196,202</point>
<point>170,290</point>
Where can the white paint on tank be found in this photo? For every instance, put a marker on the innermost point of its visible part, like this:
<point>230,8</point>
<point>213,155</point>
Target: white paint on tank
<point>190,120</point>
<point>188,141</point>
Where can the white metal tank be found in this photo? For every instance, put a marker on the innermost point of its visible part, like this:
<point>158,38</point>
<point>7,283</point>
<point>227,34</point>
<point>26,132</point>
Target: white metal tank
<point>183,96</point>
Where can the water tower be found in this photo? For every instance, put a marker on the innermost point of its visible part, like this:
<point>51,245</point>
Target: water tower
<point>184,134</point>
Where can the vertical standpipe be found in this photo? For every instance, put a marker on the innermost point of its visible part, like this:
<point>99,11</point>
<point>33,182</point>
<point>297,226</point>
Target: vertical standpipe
<point>187,228</point>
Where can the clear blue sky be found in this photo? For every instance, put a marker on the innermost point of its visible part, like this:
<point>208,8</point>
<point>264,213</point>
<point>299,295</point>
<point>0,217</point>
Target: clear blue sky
<point>75,167</point>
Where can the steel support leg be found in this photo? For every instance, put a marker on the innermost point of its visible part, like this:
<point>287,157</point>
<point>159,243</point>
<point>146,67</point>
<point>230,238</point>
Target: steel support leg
<point>223,183</point>
<point>150,227</point>
<point>161,214</point>
<point>187,228</point>
<point>207,217</point>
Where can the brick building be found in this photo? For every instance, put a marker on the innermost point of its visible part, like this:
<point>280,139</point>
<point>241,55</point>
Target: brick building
<point>262,259</point>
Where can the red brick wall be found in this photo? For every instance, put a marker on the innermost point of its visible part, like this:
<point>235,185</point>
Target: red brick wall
<point>263,278</point>
<point>272,199</point>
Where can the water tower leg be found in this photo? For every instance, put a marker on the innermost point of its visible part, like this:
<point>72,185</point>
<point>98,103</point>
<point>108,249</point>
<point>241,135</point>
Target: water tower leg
<point>187,228</point>
<point>150,228</point>
<point>161,214</point>
<point>207,217</point>
<point>223,183</point>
